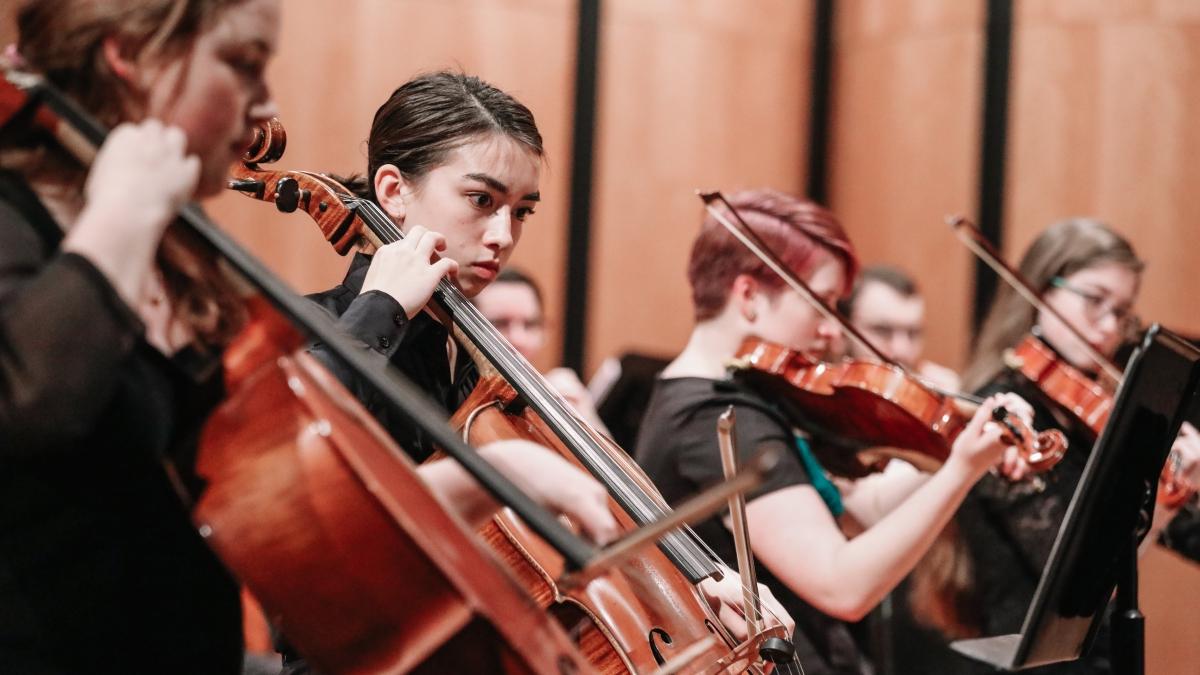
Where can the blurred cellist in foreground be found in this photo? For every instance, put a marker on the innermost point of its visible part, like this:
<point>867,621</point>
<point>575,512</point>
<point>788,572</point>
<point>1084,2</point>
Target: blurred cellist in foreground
<point>107,341</point>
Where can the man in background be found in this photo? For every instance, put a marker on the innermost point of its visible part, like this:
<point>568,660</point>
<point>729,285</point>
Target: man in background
<point>887,307</point>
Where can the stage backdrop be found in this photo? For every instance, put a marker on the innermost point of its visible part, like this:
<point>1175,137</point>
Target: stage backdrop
<point>1103,120</point>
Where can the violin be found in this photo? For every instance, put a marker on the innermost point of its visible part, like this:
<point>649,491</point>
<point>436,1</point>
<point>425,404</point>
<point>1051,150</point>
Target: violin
<point>1087,401</point>
<point>879,404</point>
<point>310,504</point>
<point>1083,397</point>
<point>645,616</point>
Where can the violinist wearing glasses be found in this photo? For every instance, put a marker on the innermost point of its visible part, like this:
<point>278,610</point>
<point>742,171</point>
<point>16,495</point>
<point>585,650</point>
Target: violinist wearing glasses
<point>1090,274</point>
<point>820,576</point>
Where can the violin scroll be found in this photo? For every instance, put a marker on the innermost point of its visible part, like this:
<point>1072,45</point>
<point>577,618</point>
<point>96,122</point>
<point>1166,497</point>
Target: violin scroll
<point>1041,451</point>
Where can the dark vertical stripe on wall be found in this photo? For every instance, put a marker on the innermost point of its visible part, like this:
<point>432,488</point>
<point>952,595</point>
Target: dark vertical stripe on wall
<point>819,101</point>
<point>579,223</point>
<point>997,57</point>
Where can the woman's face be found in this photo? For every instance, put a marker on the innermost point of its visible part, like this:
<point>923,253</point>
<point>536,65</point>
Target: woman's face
<point>1098,302</point>
<point>478,199</point>
<point>785,317</point>
<point>515,311</point>
<point>216,93</point>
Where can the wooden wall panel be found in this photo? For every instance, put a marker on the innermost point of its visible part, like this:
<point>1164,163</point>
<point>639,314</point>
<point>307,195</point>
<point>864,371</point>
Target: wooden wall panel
<point>904,146</point>
<point>328,84</point>
<point>706,94</point>
<point>1106,98</point>
<point>1105,104</point>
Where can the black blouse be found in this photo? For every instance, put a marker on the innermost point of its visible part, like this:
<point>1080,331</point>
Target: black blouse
<point>417,347</point>
<point>101,569</point>
<point>1008,530</point>
<point>677,446</point>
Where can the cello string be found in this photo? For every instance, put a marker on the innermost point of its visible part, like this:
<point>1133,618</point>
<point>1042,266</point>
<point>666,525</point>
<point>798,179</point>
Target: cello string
<point>685,544</point>
<point>388,232</point>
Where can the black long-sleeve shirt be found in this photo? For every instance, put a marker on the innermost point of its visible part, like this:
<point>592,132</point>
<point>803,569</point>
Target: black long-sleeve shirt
<point>101,569</point>
<point>416,347</point>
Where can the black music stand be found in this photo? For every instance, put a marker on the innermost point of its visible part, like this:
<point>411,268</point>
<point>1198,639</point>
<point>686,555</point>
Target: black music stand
<point>1096,548</point>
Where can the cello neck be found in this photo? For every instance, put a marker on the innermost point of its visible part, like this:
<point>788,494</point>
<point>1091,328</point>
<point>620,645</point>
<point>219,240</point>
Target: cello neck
<point>683,547</point>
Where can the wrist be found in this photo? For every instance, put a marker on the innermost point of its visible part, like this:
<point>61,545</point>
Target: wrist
<point>966,470</point>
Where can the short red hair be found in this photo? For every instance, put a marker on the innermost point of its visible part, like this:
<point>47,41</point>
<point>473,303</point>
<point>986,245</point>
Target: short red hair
<point>797,230</point>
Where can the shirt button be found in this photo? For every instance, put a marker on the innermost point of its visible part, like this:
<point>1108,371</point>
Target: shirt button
<point>384,342</point>
<point>399,319</point>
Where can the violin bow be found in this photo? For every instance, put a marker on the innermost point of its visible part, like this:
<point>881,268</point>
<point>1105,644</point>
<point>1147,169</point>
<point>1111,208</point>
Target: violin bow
<point>752,610</point>
<point>973,239</point>
<point>750,239</point>
<point>775,650</point>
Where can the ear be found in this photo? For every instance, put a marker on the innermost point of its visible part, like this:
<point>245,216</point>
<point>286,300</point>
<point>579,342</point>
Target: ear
<point>120,61</point>
<point>746,294</point>
<point>390,190</point>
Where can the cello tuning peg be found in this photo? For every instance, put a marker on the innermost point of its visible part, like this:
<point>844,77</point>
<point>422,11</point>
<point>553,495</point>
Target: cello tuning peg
<point>287,194</point>
<point>247,185</point>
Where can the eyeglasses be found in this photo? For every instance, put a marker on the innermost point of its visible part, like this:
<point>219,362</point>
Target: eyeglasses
<point>1096,306</point>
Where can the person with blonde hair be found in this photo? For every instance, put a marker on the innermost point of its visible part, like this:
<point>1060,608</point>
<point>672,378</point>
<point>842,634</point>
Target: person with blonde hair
<point>1091,275</point>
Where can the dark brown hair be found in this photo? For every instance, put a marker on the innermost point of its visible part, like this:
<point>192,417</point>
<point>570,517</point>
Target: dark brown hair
<point>797,230</point>
<point>513,275</point>
<point>431,115</point>
<point>892,277</point>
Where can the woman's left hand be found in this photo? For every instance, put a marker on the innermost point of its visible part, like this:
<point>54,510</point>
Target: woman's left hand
<point>727,600</point>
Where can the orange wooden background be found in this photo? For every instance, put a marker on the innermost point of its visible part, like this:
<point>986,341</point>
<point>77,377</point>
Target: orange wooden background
<point>1104,121</point>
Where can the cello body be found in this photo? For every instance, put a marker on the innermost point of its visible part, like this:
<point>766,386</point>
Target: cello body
<point>635,618</point>
<point>325,520</point>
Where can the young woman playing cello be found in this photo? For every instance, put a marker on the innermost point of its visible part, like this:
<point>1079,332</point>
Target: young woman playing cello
<point>100,568</point>
<point>1091,275</point>
<point>456,164</point>
<point>821,577</point>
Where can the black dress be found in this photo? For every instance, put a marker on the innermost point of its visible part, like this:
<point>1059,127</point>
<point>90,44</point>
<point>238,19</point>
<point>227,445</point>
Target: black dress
<point>677,447</point>
<point>101,569</point>
<point>1008,529</point>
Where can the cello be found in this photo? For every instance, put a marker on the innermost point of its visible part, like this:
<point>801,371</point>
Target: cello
<point>645,616</point>
<point>307,502</point>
